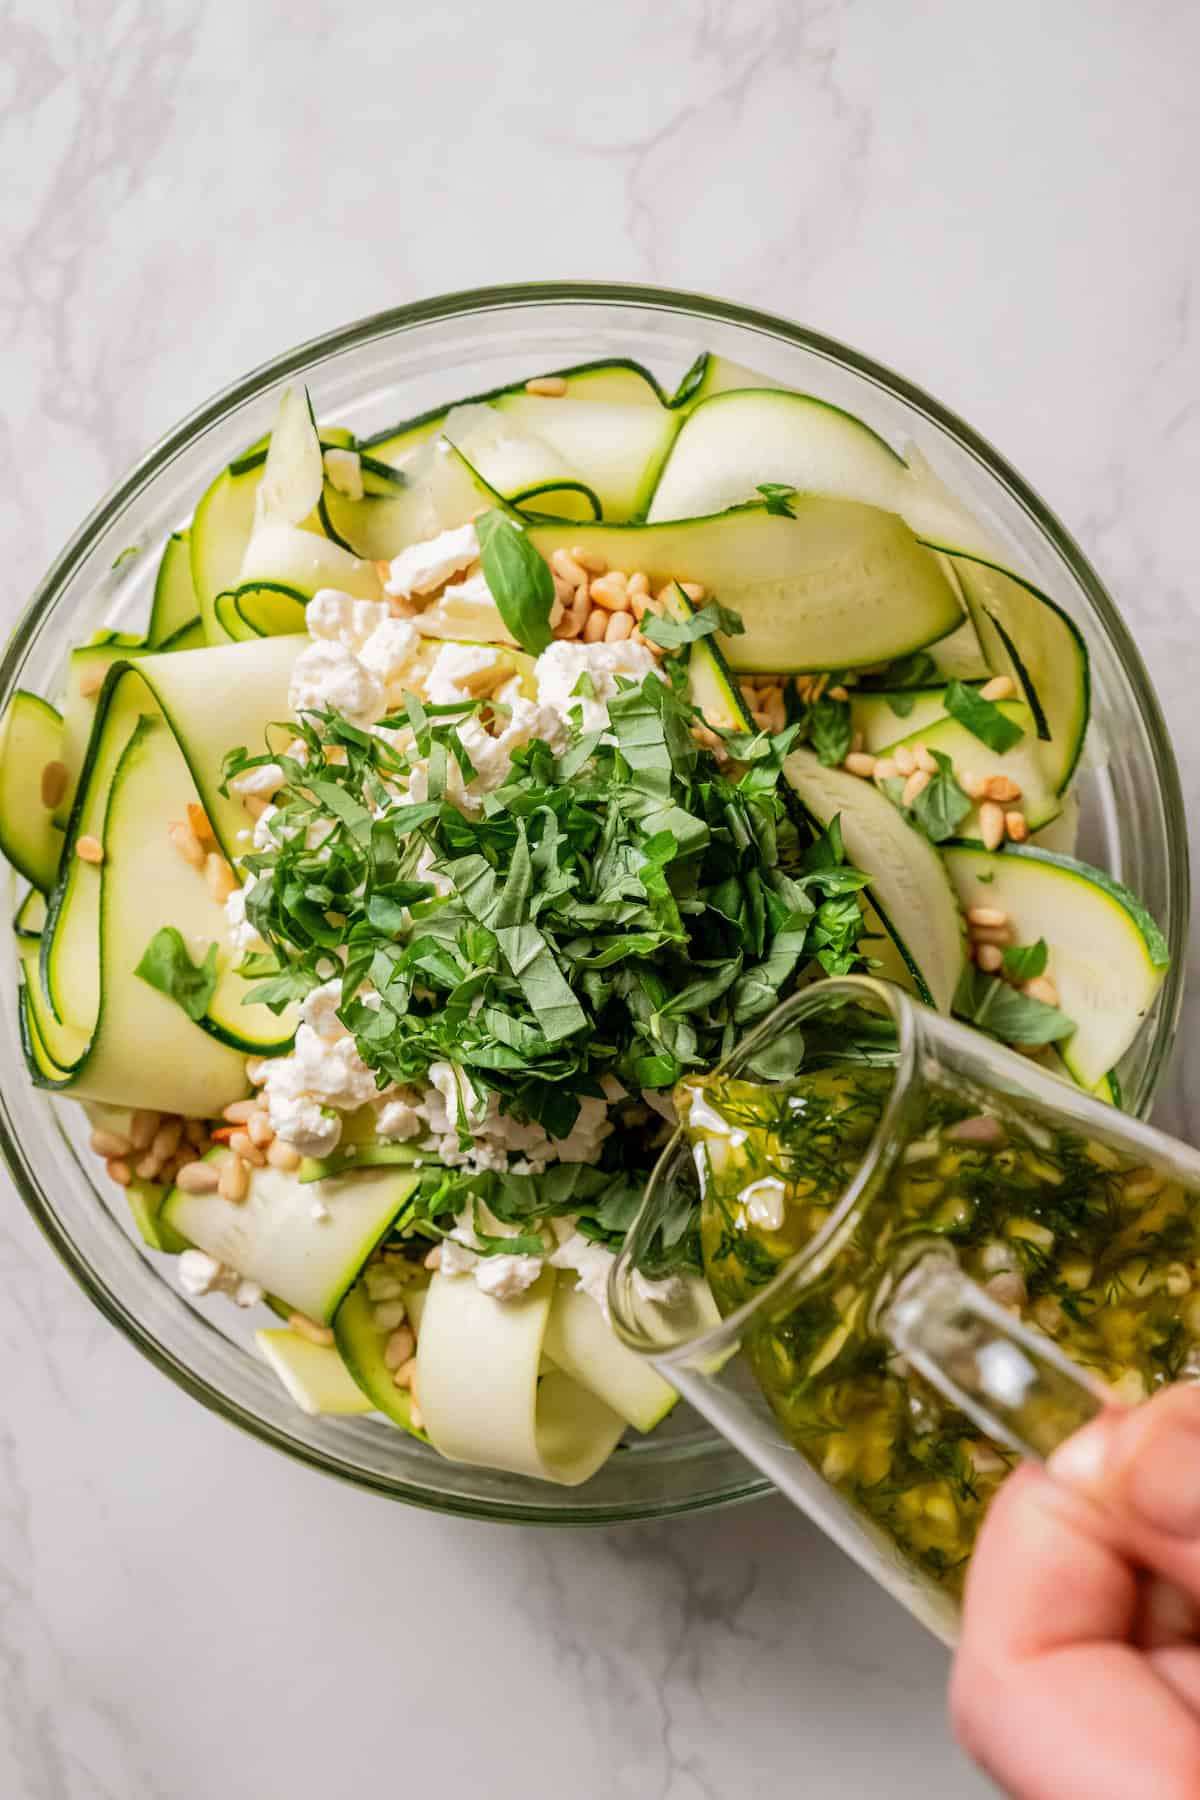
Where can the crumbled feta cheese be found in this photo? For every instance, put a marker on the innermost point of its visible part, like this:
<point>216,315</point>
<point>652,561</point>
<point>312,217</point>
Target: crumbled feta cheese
<point>308,1090</point>
<point>389,651</point>
<point>344,470</point>
<point>559,668</point>
<point>465,611</point>
<point>593,1264</point>
<point>503,1277</point>
<point>583,1141</point>
<point>261,782</point>
<point>243,939</point>
<point>328,675</point>
<point>198,1273</point>
<point>338,618</point>
<point>319,1212</point>
<point>319,1010</point>
<point>248,1293</point>
<point>397,1120</point>
<point>422,568</point>
<point>453,676</point>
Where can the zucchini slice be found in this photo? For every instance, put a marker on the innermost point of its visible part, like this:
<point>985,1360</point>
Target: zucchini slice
<point>1026,635</point>
<point>313,1374</point>
<point>272,1237</point>
<point>220,531</point>
<point>883,715</point>
<point>361,1346</point>
<point>284,555</point>
<point>31,734</point>
<point>910,889</point>
<point>733,441</point>
<point>163,725</point>
<point>617,450</point>
<point>1107,957</point>
<point>579,1340</point>
<point>478,1362</point>
<point>175,605</point>
<point>837,586</point>
<point>970,756</point>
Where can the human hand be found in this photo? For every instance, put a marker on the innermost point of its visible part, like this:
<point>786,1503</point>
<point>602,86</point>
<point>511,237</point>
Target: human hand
<point>1078,1672</point>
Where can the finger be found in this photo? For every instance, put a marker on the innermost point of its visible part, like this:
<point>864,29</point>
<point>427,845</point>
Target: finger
<point>1140,1469</point>
<point>1045,1679</point>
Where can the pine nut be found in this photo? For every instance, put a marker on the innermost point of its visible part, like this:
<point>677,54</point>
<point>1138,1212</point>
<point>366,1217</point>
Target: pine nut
<point>434,1258</point>
<point>999,787</point>
<point>119,1171</point>
<point>399,1347</point>
<point>638,605</point>
<point>110,1143</point>
<point>239,1111</point>
<point>972,786</point>
<point>259,1130</point>
<point>564,590</point>
<point>991,825</point>
<point>1016,826</point>
<point>885,769</point>
<point>1000,687</point>
<point>198,820</point>
<point>142,1126</point>
<point>149,1168</point>
<point>233,1183</point>
<point>620,626</point>
<point>187,844</point>
<point>694,590</point>
<point>1043,989</point>
<point>90,849</point>
<point>992,934</point>
<point>166,1139</point>
<point>609,592</point>
<point>990,958</point>
<point>403,1378</point>
<point>91,683</point>
<point>841,693</point>
<point>587,559</point>
<point>817,688</point>
<point>256,1070</point>
<point>915,786</point>
<point>54,784</point>
<point>597,625</point>
<point>576,615</point>
<point>254,805</point>
<point>308,1328</point>
<point>219,877</point>
<point>904,759</point>
<point>657,651</point>
<point>986,915</point>
<point>925,760</point>
<point>638,585</point>
<point>550,387</point>
<point>860,762</point>
<point>564,564</point>
<point>242,1144</point>
<point>856,741</point>
<point>196,1133</point>
<point>282,1156</point>
<point>198,1178</point>
<point>556,613</point>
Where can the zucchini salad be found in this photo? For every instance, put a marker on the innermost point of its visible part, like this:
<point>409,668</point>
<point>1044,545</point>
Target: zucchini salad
<point>477,782</point>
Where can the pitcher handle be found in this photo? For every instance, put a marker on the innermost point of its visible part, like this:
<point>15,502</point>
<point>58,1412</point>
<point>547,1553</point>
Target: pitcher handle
<point>1014,1383</point>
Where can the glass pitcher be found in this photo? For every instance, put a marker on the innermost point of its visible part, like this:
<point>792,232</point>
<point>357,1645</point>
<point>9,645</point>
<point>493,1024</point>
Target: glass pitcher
<point>1007,1257</point>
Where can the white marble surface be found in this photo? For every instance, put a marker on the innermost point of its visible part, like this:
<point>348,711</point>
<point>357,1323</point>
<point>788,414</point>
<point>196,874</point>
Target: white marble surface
<point>999,201</point>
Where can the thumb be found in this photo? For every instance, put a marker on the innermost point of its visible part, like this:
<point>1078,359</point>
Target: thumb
<point>1141,1469</point>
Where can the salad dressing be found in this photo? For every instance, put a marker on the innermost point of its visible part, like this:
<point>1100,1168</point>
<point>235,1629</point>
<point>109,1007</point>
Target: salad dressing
<point>1103,1258</point>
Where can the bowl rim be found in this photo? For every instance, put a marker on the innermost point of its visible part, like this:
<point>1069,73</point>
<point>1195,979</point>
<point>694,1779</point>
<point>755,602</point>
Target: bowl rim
<point>472,302</point>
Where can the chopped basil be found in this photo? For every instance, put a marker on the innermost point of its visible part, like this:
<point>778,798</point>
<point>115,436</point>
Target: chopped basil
<point>778,496</point>
<point>702,623</point>
<point>830,730</point>
<point>992,1006</point>
<point>519,578</point>
<point>167,966</point>
<point>941,806</point>
<point>1024,962</point>
<point>982,718</point>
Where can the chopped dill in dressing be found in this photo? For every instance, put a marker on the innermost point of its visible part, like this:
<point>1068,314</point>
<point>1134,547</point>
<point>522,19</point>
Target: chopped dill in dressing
<point>1102,1257</point>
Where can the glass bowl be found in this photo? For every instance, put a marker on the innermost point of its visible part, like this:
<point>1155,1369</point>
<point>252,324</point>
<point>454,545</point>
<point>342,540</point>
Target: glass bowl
<point>368,375</point>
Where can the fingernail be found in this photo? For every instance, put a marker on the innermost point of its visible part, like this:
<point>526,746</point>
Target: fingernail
<point>1162,1478</point>
<point>1080,1462</point>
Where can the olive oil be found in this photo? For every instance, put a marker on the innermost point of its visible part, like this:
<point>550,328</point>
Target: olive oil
<point>1102,1257</point>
